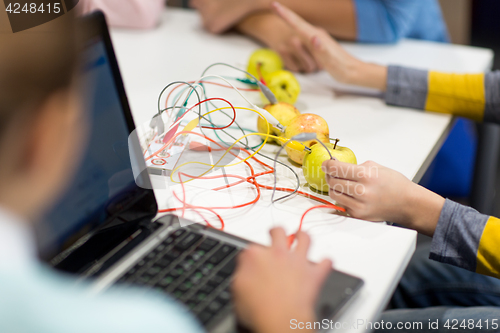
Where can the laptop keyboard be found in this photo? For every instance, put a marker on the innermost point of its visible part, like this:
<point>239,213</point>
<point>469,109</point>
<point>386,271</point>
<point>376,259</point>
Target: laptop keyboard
<point>193,268</point>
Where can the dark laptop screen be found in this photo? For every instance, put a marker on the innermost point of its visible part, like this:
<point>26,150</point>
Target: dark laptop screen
<point>104,185</point>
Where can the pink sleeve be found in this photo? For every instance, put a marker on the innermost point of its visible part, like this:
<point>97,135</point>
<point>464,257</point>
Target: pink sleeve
<point>139,14</point>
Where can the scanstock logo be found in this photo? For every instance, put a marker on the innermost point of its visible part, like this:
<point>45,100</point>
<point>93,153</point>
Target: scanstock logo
<point>28,14</point>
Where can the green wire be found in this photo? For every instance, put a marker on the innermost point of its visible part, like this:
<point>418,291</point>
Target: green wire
<point>243,130</point>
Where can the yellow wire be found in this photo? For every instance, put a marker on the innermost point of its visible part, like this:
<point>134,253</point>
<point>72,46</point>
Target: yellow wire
<point>267,135</point>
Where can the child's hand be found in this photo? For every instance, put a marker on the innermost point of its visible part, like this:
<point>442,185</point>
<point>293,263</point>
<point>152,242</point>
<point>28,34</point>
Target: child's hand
<point>327,52</point>
<point>331,56</point>
<point>275,285</point>
<point>368,191</point>
<point>373,192</point>
<point>271,30</point>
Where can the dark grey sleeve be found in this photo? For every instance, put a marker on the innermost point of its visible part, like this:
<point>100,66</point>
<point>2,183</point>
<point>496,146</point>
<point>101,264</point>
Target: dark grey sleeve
<point>457,235</point>
<point>406,87</point>
<point>492,96</point>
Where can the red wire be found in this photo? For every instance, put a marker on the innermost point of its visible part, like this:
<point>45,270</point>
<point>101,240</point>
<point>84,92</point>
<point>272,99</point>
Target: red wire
<point>249,179</point>
<point>190,132</point>
<point>259,73</point>
<point>284,189</point>
<point>213,99</point>
<point>291,238</point>
<point>252,180</point>
<point>204,219</point>
<point>168,210</point>
<point>170,140</point>
<point>209,82</point>
<point>194,208</point>
<point>257,197</point>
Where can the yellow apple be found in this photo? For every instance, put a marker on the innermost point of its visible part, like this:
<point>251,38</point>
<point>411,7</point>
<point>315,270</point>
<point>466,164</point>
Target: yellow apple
<point>283,112</point>
<point>306,123</point>
<point>263,62</point>
<point>283,85</point>
<point>313,160</point>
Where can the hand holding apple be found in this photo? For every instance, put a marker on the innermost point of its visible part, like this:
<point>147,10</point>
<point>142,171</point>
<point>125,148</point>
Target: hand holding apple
<point>314,159</point>
<point>373,192</point>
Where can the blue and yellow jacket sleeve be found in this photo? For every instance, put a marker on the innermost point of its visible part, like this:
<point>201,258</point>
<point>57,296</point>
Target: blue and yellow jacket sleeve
<point>467,239</point>
<point>463,237</point>
<point>474,96</point>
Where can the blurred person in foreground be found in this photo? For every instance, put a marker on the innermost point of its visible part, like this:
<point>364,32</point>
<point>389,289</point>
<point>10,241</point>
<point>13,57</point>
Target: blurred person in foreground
<point>43,130</point>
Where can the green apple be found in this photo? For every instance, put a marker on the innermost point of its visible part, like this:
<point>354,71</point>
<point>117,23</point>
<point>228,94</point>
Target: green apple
<point>263,62</point>
<point>313,160</point>
<point>284,86</point>
<point>283,112</point>
<point>306,123</point>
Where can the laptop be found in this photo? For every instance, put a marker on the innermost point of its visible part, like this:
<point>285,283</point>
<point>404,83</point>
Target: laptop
<point>106,226</point>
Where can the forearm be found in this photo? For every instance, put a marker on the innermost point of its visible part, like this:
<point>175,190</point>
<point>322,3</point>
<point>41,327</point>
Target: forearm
<point>367,75</point>
<point>474,96</point>
<point>422,210</point>
<point>258,26</point>
<point>349,70</point>
<point>338,17</point>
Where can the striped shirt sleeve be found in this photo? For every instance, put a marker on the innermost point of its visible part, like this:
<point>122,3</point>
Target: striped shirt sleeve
<point>467,239</point>
<point>474,96</point>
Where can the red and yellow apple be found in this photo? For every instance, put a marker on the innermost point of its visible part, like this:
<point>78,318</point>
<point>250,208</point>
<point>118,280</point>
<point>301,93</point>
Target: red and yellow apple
<point>283,112</point>
<point>263,62</point>
<point>306,123</point>
<point>313,160</point>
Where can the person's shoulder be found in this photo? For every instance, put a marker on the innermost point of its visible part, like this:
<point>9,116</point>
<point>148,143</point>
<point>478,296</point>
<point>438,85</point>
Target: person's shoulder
<point>64,302</point>
<point>409,5</point>
<point>18,299</point>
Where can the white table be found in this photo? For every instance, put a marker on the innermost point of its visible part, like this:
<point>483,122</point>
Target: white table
<point>405,140</point>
